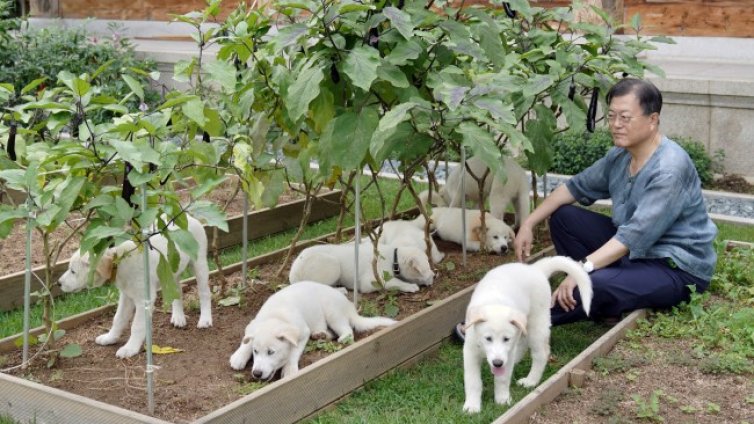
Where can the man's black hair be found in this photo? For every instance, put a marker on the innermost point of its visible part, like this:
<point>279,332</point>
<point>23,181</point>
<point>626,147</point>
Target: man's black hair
<point>650,98</point>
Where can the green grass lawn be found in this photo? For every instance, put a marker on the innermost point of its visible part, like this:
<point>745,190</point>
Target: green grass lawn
<point>432,390</point>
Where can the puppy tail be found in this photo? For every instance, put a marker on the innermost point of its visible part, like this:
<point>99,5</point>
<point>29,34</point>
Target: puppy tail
<point>361,323</point>
<point>553,264</point>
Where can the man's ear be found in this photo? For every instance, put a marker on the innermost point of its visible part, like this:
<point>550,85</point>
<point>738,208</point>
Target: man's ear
<point>105,265</point>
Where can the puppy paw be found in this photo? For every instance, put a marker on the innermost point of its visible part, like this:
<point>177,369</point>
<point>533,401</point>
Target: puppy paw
<point>238,361</point>
<point>127,351</point>
<point>527,382</point>
<point>504,399</point>
<point>105,339</point>
<point>178,320</point>
<point>204,323</point>
<point>346,338</point>
<point>411,288</point>
<point>472,407</point>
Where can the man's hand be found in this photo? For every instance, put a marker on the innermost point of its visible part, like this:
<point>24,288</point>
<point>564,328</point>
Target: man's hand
<point>523,242</point>
<point>563,295</point>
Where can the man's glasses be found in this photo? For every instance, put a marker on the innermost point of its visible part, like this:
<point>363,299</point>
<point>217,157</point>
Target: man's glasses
<point>612,119</point>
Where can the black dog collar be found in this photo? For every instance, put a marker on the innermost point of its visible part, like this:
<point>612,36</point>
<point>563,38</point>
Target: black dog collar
<point>396,265</point>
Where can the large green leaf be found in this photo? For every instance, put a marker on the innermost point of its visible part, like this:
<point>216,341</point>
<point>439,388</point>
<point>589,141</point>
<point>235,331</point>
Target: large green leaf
<point>303,91</point>
<point>66,198</point>
<point>404,52</point>
<point>194,110</point>
<point>185,241</point>
<point>8,218</point>
<point>540,132</point>
<point>322,109</point>
<point>361,66</point>
<point>482,145</point>
<point>168,285</point>
<point>387,127</point>
<point>346,139</point>
<point>400,21</point>
<point>223,73</point>
<point>210,214</point>
<point>138,152</point>
<point>393,74</point>
<point>134,85</point>
<point>288,35</point>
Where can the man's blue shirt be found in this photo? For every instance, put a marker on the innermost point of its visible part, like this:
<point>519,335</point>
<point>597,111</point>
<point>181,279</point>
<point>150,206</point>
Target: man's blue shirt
<point>660,211</point>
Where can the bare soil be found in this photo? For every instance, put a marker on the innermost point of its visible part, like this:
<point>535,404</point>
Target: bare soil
<point>198,380</point>
<point>663,368</point>
<point>732,183</point>
<point>13,248</point>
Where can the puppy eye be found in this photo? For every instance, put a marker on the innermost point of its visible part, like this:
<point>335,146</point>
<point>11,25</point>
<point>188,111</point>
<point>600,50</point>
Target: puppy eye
<point>270,352</point>
<point>256,352</point>
<point>506,339</point>
<point>495,237</point>
<point>488,338</point>
<point>73,272</point>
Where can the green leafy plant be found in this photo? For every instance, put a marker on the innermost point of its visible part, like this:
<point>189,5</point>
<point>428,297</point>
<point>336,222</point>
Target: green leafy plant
<point>575,151</point>
<point>44,53</point>
<point>649,409</point>
<point>703,162</point>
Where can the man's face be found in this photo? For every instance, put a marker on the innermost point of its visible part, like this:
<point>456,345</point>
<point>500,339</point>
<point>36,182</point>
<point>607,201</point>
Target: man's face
<point>629,125</point>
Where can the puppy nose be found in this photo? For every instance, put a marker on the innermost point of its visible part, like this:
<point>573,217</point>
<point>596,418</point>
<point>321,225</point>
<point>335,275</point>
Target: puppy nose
<point>497,363</point>
<point>257,374</point>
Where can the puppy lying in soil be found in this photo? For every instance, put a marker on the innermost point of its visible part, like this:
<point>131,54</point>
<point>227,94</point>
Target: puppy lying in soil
<point>278,334</point>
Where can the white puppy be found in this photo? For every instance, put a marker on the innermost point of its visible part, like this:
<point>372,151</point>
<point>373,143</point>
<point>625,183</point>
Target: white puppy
<point>406,233</point>
<point>447,223</point>
<point>508,312</point>
<point>129,278</point>
<point>278,334</point>
<point>333,264</point>
<point>500,194</point>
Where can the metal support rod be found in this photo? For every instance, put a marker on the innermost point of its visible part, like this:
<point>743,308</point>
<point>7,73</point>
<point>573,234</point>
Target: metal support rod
<point>245,241</point>
<point>357,242</point>
<point>463,202</point>
<point>27,283</point>
<point>147,307</point>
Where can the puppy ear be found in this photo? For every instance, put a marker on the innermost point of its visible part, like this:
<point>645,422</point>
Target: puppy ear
<point>476,233</point>
<point>105,265</point>
<point>289,333</point>
<point>474,316</point>
<point>519,320</point>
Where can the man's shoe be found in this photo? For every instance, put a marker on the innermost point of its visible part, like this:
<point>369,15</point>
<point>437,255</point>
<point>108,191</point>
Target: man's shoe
<point>458,332</point>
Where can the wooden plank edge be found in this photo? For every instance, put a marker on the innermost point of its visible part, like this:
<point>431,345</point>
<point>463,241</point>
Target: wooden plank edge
<point>558,382</point>
<point>28,401</point>
<point>17,278</point>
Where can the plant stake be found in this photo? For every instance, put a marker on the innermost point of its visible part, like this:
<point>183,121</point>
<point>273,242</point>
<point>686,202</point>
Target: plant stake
<point>147,307</point>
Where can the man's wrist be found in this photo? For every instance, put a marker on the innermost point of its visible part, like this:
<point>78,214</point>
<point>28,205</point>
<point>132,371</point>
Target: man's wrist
<point>587,265</point>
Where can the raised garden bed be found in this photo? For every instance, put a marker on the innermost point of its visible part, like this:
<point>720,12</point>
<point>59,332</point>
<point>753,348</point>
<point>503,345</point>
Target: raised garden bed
<point>261,223</point>
<point>216,391</point>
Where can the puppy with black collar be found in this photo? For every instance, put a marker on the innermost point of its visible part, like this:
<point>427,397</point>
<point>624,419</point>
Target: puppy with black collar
<point>333,264</point>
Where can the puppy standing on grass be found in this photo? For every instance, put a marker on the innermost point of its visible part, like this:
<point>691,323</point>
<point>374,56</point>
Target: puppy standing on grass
<point>278,334</point>
<point>508,312</point>
<point>129,278</point>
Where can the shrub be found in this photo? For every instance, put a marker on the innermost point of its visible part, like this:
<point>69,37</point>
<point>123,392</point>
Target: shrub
<point>33,54</point>
<point>702,160</point>
<point>574,151</point>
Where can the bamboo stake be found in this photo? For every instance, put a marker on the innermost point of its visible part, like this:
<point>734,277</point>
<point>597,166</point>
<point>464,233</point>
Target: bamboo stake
<point>27,284</point>
<point>357,234</point>
<point>147,307</point>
